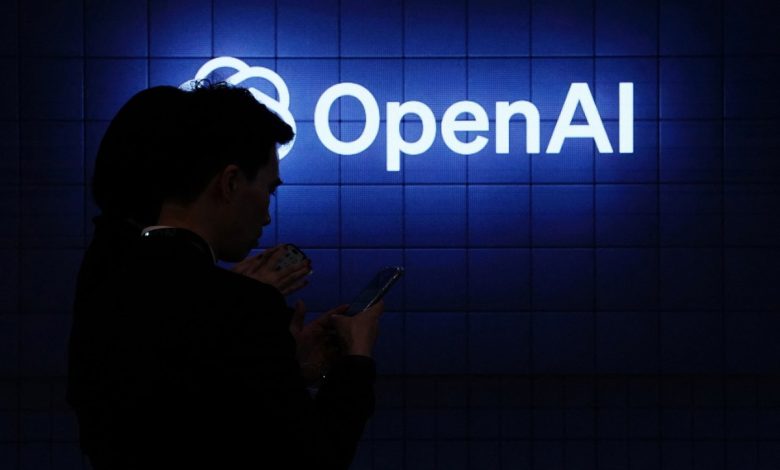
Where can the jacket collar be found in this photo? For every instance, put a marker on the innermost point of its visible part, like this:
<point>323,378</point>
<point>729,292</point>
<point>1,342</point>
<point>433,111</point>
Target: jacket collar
<point>181,235</point>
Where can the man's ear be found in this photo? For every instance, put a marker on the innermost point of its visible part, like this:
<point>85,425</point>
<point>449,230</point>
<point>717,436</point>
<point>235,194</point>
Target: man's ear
<point>227,182</point>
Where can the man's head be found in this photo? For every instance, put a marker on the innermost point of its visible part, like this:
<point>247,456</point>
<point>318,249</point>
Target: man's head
<point>204,159</point>
<point>221,188</point>
<point>225,125</point>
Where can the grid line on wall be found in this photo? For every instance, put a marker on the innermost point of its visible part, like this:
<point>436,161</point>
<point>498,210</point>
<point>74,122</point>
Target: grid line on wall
<point>724,352</point>
<point>467,210</point>
<point>19,257</point>
<point>659,325</point>
<point>276,67</point>
<point>426,57</point>
<point>405,315</point>
<point>86,180</point>
<point>531,285</point>
<point>594,320</point>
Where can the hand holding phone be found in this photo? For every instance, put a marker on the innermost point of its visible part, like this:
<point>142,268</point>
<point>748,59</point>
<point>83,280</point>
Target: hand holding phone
<point>375,289</point>
<point>356,334</point>
<point>284,267</point>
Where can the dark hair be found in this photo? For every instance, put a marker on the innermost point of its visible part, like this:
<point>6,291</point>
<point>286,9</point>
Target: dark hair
<point>167,144</point>
<point>140,134</point>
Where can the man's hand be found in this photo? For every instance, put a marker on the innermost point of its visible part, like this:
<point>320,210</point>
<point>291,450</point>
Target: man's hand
<point>358,333</point>
<point>262,267</point>
<point>315,341</point>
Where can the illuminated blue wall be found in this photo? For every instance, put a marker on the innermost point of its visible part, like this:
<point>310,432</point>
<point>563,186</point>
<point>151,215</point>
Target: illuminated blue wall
<point>572,310</point>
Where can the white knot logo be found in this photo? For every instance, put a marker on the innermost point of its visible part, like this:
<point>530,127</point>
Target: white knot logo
<point>244,72</point>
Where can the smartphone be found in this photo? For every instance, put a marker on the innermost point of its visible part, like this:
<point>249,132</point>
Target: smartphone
<point>293,255</point>
<point>375,290</point>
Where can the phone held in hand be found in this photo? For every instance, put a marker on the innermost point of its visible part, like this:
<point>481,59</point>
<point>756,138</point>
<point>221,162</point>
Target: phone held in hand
<point>375,290</point>
<point>292,256</point>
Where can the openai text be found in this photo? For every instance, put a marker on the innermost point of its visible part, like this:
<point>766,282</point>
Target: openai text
<point>460,117</point>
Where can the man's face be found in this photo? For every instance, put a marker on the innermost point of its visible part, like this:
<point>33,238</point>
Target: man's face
<point>250,215</point>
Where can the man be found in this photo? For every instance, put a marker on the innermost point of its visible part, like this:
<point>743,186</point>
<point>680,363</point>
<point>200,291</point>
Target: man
<point>177,363</point>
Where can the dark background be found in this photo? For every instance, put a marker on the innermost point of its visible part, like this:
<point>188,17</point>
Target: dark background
<point>576,311</point>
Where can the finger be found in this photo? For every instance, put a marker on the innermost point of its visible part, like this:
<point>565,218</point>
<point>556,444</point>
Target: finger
<point>375,310</point>
<point>249,263</point>
<point>271,251</point>
<point>338,311</point>
<point>265,259</point>
<point>299,314</point>
<point>246,265</point>
<point>267,253</point>
<point>292,274</point>
<point>337,322</point>
<point>275,256</point>
<point>292,282</point>
<point>325,318</point>
<point>259,257</point>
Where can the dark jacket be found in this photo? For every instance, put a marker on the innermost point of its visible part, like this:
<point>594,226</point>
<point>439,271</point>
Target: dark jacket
<point>175,362</point>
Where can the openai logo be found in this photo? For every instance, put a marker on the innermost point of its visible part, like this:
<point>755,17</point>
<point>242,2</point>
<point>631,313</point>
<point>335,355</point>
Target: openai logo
<point>463,124</point>
<point>245,72</point>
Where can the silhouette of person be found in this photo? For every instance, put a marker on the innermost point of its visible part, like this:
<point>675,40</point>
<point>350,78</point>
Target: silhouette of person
<point>175,362</point>
<point>147,132</point>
